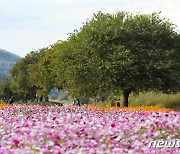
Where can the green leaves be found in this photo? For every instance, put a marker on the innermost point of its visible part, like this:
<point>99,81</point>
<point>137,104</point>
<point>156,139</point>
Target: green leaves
<point>121,51</point>
<point>5,89</point>
<point>26,75</point>
<point>110,53</point>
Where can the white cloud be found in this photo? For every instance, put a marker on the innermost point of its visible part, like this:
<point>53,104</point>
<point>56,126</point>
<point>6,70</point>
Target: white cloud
<point>65,1</point>
<point>72,1</point>
<point>29,24</point>
<point>6,1</point>
<point>169,9</point>
<point>53,41</point>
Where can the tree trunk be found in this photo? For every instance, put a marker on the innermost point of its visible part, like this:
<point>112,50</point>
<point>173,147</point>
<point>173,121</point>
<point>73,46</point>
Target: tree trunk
<point>41,99</point>
<point>25,98</point>
<point>46,98</point>
<point>125,97</point>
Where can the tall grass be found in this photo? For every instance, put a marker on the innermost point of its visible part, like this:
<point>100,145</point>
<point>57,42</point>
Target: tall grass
<point>171,101</point>
<point>156,99</point>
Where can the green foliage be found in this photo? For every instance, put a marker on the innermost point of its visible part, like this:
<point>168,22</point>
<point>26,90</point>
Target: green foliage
<point>111,54</point>
<point>120,52</point>
<point>40,74</point>
<point>5,89</point>
<point>20,74</point>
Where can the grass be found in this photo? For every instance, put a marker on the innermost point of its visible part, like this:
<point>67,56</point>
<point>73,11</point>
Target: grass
<point>156,99</point>
<point>171,101</point>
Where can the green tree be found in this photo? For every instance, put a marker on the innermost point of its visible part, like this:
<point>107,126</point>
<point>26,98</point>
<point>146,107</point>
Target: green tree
<point>72,71</point>
<point>121,52</point>
<point>20,75</point>
<point>5,89</point>
<point>40,74</point>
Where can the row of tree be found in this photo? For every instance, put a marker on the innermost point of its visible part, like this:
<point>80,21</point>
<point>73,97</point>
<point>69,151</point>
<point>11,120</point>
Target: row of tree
<point>111,54</point>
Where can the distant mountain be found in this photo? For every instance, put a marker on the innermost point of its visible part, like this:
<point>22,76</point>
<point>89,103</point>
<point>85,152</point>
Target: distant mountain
<point>7,60</point>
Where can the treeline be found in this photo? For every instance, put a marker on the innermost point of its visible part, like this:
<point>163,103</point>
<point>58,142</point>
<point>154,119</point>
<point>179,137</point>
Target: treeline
<point>6,64</point>
<point>111,54</point>
<point>8,57</point>
<point>7,60</point>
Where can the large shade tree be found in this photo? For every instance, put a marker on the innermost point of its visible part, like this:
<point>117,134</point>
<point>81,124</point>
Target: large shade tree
<point>40,74</point>
<point>121,52</point>
<point>20,74</point>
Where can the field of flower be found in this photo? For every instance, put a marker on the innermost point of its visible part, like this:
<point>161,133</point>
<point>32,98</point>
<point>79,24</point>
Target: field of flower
<point>71,129</point>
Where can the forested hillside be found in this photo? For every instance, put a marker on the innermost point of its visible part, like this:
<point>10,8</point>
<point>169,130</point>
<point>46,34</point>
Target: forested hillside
<point>7,60</point>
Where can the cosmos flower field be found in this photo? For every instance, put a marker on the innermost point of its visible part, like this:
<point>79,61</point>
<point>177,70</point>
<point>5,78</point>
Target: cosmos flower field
<point>72,129</point>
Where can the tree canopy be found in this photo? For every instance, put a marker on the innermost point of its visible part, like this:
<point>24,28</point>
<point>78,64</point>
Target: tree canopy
<point>20,72</point>
<point>119,53</point>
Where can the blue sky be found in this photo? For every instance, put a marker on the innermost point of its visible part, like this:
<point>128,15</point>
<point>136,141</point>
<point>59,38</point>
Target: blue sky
<point>28,25</point>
